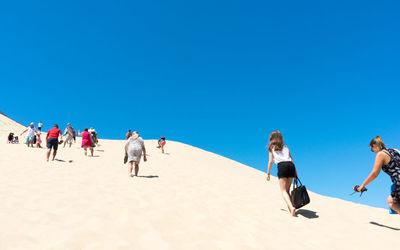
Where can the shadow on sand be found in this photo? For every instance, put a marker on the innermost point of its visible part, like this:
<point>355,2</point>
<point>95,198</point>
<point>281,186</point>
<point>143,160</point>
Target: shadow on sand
<point>100,150</point>
<point>307,213</point>
<point>147,176</point>
<point>380,225</point>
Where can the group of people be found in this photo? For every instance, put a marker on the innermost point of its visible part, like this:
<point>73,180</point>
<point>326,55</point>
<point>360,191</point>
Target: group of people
<point>33,135</point>
<point>387,159</point>
<point>12,139</point>
<point>54,138</point>
<point>134,149</point>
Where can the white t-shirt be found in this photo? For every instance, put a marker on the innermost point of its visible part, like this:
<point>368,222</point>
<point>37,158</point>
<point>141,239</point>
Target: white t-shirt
<point>40,125</point>
<point>31,131</point>
<point>281,156</point>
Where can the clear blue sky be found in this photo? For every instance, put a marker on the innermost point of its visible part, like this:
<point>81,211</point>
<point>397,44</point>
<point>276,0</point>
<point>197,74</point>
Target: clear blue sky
<point>219,75</point>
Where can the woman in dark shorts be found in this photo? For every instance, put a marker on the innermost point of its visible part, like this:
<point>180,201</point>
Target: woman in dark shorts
<point>279,154</point>
<point>388,160</point>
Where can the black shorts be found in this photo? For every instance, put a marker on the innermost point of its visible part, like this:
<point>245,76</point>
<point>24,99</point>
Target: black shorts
<point>286,169</point>
<point>52,143</point>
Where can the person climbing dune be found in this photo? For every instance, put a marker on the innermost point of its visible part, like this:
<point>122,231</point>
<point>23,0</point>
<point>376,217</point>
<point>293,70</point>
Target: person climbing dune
<point>388,160</point>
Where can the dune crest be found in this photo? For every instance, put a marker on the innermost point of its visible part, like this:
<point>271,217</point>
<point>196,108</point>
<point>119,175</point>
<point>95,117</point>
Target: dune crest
<point>187,198</point>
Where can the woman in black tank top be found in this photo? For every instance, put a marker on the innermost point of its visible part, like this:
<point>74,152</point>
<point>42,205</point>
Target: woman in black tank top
<point>389,161</point>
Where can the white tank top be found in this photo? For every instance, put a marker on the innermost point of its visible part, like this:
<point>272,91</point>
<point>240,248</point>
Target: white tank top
<point>281,156</point>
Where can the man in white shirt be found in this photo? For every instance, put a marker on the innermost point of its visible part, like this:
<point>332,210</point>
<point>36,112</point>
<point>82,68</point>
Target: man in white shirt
<point>69,135</point>
<point>39,126</point>
<point>30,135</point>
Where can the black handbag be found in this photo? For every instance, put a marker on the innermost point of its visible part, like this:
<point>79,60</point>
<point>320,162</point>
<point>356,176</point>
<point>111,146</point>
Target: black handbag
<point>299,195</point>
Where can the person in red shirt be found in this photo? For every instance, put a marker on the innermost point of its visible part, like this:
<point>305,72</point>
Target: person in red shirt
<point>52,141</point>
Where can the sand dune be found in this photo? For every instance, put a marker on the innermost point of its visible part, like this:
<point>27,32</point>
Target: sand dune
<point>187,199</point>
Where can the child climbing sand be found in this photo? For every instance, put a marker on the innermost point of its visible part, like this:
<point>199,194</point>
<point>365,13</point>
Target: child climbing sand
<point>280,155</point>
<point>38,140</point>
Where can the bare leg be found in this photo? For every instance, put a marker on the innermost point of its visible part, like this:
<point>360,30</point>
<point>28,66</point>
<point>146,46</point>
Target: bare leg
<point>54,154</point>
<point>91,151</point>
<point>48,154</point>
<point>130,168</point>
<point>85,148</point>
<point>393,204</point>
<point>162,149</point>
<point>283,183</point>
<point>136,168</point>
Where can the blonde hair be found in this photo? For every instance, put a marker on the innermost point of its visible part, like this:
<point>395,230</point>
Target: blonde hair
<point>275,141</point>
<point>378,142</point>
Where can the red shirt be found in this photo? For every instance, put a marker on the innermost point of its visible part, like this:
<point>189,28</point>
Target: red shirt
<point>53,133</point>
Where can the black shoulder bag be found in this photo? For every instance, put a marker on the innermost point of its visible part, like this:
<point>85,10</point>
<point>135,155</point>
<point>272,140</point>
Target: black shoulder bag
<point>299,195</point>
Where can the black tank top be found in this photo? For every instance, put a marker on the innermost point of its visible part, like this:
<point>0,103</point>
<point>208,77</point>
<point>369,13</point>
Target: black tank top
<point>393,167</point>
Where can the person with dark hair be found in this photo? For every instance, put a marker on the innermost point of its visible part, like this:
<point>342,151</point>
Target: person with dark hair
<point>10,138</point>
<point>161,143</point>
<point>52,141</point>
<point>129,134</point>
<point>40,125</point>
<point>279,154</point>
<point>388,160</point>
<point>87,141</point>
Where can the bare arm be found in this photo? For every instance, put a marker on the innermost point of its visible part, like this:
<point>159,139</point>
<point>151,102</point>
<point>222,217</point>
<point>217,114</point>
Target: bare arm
<point>270,162</point>
<point>24,131</point>
<point>379,162</point>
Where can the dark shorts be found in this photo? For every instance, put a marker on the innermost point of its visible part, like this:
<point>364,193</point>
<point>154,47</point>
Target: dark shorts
<point>286,169</point>
<point>52,143</point>
<point>396,194</point>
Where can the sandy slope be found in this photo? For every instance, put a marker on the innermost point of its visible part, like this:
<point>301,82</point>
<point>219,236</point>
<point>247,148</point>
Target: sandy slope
<point>188,199</point>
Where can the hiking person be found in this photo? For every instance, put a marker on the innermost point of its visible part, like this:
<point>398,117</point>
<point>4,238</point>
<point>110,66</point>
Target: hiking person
<point>39,126</point>
<point>38,140</point>
<point>87,141</point>
<point>279,154</point>
<point>129,134</point>
<point>52,141</point>
<point>133,150</point>
<point>93,132</point>
<point>74,134</point>
<point>10,138</point>
<point>30,135</point>
<point>161,144</point>
<point>69,135</point>
<point>388,160</point>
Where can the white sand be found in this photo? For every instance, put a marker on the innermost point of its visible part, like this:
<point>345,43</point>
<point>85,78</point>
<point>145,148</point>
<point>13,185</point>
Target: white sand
<point>197,200</point>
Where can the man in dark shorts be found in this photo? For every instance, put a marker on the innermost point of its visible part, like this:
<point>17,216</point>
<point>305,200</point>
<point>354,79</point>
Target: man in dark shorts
<point>52,141</point>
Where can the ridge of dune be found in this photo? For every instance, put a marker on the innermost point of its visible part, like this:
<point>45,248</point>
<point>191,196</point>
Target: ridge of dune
<point>187,198</point>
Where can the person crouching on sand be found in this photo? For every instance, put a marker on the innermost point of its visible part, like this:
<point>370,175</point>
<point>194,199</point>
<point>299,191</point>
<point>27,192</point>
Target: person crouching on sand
<point>280,154</point>
<point>10,138</point>
<point>87,141</point>
<point>134,147</point>
<point>161,143</point>
<point>52,141</point>
<point>388,160</point>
